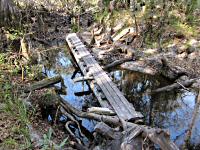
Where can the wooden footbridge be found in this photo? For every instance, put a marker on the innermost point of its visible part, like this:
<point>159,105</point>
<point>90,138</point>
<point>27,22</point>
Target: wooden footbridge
<point>113,97</point>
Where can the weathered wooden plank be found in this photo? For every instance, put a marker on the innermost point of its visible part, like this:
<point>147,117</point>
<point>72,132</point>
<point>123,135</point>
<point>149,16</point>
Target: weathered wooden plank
<point>108,87</point>
<point>92,84</point>
<point>115,89</point>
<point>98,73</point>
<point>87,59</point>
<point>119,103</point>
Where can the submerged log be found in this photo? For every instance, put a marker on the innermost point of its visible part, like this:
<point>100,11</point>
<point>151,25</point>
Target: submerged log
<point>43,83</point>
<point>175,86</point>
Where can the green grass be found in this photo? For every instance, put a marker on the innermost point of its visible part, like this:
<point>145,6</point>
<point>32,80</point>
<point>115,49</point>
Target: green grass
<point>15,108</point>
<point>185,29</point>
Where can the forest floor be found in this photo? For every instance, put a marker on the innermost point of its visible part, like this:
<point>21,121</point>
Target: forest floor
<point>19,118</point>
<point>24,122</point>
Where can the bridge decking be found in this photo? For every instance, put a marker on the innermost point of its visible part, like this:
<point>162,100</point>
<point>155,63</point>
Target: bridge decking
<point>90,67</point>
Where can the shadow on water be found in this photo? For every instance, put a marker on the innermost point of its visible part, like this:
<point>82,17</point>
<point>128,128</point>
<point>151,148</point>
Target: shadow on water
<point>168,110</point>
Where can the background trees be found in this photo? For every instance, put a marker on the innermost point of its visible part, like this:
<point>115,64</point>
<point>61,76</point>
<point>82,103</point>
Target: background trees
<point>7,11</point>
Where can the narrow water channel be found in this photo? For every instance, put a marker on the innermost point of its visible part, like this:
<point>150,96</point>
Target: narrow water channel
<point>172,111</point>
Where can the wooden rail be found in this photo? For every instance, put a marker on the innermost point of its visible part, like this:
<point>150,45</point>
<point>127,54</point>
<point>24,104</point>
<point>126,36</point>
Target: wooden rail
<point>90,67</point>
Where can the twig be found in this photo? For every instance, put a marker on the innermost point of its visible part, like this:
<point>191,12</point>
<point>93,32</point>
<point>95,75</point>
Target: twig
<point>56,116</point>
<point>71,133</point>
<point>183,86</point>
<point>73,119</point>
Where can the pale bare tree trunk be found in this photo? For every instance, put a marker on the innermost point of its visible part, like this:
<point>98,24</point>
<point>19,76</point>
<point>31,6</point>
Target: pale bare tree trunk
<point>132,5</point>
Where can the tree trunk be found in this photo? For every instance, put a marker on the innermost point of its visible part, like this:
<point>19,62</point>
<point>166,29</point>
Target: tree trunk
<point>7,11</point>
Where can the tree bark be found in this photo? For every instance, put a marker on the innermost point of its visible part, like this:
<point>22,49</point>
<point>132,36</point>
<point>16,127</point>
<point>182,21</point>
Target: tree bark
<point>7,11</point>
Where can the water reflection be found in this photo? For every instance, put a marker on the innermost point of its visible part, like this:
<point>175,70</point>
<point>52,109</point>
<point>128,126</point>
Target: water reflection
<point>168,110</point>
<point>60,63</point>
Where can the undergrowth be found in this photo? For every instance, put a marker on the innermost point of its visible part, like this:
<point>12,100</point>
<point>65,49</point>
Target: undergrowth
<point>16,135</point>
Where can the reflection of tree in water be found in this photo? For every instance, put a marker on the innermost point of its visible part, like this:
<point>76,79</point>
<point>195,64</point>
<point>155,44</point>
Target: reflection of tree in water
<point>167,110</point>
<point>58,60</point>
<point>135,87</point>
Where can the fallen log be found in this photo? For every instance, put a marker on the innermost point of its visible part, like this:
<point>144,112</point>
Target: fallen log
<point>171,72</point>
<point>139,66</point>
<point>107,131</point>
<point>107,119</point>
<point>157,136</point>
<point>117,62</point>
<point>134,137</point>
<point>118,36</point>
<point>43,83</point>
<point>119,26</point>
<point>101,111</point>
<point>177,85</point>
<point>99,31</point>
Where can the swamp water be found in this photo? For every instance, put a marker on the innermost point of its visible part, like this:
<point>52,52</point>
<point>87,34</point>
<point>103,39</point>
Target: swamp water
<point>172,111</point>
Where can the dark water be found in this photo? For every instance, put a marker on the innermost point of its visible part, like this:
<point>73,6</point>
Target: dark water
<point>172,111</point>
<point>60,63</point>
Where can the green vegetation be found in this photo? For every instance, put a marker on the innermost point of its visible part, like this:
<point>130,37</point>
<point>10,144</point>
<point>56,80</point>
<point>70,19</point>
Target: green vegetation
<point>16,113</point>
<point>47,143</point>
